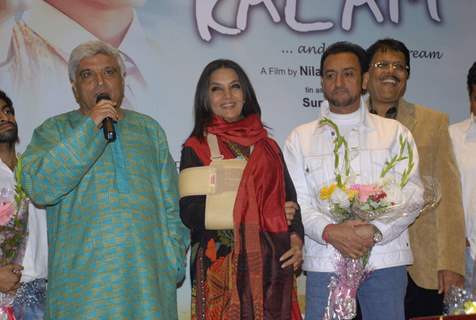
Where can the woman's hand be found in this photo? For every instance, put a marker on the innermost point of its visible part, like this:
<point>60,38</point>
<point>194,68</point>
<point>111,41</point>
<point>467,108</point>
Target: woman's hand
<point>290,208</point>
<point>294,255</point>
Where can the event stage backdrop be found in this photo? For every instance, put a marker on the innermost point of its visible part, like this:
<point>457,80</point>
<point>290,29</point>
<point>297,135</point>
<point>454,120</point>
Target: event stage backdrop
<point>167,43</point>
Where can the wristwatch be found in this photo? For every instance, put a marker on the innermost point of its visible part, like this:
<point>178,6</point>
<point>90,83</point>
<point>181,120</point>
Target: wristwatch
<point>378,236</point>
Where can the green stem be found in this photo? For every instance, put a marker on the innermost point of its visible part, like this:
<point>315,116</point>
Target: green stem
<point>339,142</point>
<point>405,153</point>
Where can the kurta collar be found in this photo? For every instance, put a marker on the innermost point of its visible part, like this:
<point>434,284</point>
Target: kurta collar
<point>4,167</point>
<point>470,128</point>
<point>390,114</point>
<point>405,113</point>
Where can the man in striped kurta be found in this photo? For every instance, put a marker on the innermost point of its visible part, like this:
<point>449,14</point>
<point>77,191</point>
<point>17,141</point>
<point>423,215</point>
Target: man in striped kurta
<point>116,242</point>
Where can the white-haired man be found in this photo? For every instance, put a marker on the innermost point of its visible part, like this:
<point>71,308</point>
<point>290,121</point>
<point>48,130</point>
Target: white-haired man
<point>117,245</point>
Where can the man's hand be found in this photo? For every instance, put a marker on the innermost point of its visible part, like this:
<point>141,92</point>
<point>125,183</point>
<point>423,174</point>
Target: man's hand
<point>346,240</point>
<point>365,231</point>
<point>102,110</point>
<point>290,207</point>
<point>294,255</point>
<point>10,278</point>
<point>447,279</point>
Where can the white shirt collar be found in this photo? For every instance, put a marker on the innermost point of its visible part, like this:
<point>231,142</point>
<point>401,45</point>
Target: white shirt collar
<point>470,127</point>
<point>366,123</point>
<point>4,167</point>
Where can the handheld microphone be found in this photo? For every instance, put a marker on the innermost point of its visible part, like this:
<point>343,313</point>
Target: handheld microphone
<point>107,123</point>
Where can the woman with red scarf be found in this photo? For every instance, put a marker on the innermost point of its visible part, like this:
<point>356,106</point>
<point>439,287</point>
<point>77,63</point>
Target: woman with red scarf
<point>246,272</point>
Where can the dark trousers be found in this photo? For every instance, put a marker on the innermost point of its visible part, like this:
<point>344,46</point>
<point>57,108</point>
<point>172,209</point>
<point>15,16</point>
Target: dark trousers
<point>420,302</point>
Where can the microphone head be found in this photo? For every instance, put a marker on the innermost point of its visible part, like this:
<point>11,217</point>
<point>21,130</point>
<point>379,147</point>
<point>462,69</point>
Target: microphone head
<point>102,96</point>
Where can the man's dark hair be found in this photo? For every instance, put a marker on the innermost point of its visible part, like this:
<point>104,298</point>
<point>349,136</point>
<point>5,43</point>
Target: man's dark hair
<point>471,78</point>
<point>8,101</point>
<point>202,109</point>
<point>346,47</point>
<point>10,136</point>
<point>389,44</point>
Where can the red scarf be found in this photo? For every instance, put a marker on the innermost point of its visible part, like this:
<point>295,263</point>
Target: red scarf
<point>245,132</point>
<point>259,209</point>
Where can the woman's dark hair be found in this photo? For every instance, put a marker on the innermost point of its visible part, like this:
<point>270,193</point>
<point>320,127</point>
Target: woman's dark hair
<point>202,110</point>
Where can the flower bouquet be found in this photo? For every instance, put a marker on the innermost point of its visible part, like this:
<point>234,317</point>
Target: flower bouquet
<point>13,233</point>
<point>385,199</point>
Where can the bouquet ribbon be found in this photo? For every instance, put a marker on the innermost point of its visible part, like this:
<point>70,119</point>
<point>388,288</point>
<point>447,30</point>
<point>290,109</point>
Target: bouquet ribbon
<point>6,313</point>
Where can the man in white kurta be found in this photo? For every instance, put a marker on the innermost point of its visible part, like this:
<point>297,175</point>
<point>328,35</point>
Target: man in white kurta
<point>463,137</point>
<point>31,293</point>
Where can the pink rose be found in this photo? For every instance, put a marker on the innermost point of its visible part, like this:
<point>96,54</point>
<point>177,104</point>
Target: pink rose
<point>6,212</point>
<point>365,190</point>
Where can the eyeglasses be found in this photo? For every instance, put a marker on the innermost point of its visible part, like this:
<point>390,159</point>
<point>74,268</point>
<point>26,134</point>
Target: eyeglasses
<point>397,66</point>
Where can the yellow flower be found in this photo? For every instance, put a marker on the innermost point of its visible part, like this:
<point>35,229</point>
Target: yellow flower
<point>470,307</point>
<point>351,194</point>
<point>326,192</point>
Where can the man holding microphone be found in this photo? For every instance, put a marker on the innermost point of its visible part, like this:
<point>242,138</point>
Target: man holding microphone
<point>117,245</point>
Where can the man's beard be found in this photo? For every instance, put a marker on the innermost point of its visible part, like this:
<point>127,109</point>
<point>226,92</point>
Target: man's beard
<point>342,102</point>
<point>10,136</point>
